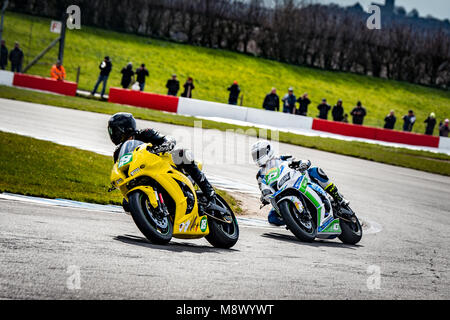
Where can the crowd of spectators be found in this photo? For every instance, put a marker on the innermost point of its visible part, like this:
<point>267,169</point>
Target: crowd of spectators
<point>358,113</point>
<point>15,57</point>
<point>272,103</point>
<point>136,81</point>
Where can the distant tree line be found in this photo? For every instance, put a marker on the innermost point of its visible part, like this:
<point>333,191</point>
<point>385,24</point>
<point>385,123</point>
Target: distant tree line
<point>326,37</point>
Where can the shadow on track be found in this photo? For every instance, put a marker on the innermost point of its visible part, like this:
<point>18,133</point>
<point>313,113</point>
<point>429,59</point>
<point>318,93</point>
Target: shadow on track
<point>315,243</point>
<point>172,246</point>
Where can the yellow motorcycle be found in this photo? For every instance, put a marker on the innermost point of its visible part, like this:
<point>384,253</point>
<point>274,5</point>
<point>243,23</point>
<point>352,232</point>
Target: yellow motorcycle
<point>165,202</point>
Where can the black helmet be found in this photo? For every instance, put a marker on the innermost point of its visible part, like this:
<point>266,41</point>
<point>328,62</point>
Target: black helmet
<point>121,126</point>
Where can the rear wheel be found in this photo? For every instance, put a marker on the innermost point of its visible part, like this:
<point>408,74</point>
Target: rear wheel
<point>300,223</point>
<point>351,231</point>
<point>221,234</point>
<point>154,225</point>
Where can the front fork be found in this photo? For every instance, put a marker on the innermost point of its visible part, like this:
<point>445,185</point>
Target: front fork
<point>155,198</point>
<point>297,203</point>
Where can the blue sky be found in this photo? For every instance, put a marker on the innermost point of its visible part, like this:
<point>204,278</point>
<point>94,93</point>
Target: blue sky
<point>437,8</point>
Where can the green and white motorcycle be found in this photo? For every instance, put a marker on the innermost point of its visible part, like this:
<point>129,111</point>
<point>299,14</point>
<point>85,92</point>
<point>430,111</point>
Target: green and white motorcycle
<point>308,211</point>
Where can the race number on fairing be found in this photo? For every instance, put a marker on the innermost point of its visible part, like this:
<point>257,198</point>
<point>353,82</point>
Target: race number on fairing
<point>126,158</point>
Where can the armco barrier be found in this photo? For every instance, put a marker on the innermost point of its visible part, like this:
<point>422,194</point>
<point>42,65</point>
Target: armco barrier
<point>144,99</point>
<point>194,107</point>
<point>351,130</point>
<point>278,119</point>
<point>6,78</point>
<point>407,138</point>
<point>46,84</point>
<point>444,143</point>
<point>202,108</point>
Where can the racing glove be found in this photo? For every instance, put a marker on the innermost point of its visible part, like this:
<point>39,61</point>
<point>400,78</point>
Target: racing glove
<point>285,157</point>
<point>167,146</point>
<point>300,165</point>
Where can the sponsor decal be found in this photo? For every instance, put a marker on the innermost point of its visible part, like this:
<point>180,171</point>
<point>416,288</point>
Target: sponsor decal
<point>203,224</point>
<point>284,179</point>
<point>184,226</point>
<point>132,173</point>
<point>297,183</point>
<point>194,225</point>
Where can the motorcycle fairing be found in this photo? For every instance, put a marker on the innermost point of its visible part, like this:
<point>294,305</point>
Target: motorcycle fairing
<point>327,226</point>
<point>161,169</point>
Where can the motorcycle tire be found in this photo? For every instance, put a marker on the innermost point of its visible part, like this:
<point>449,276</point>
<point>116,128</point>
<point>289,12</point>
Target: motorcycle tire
<point>147,221</point>
<point>294,224</point>
<point>351,231</point>
<point>223,235</point>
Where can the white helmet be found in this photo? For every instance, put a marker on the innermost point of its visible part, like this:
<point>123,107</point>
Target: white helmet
<point>262,152</point>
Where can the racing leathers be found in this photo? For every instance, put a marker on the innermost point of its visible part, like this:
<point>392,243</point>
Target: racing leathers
<point>316,174</point>
<point>181,157</point>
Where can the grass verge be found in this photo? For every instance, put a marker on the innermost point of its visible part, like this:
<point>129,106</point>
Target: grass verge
<point>45,169</point>
<point>420,160</point>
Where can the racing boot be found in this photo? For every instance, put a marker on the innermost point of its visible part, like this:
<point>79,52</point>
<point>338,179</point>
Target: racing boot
<point>203,183</point>
<point>275,219</point>
<point>338,198</point>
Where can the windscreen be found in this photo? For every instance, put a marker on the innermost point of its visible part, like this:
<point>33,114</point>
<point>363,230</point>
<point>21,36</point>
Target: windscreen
<point>129,146</point>
<point>274,163</point>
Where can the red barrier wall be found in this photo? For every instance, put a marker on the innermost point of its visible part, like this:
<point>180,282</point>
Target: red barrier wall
<point>351,130</point>
<point>46,84</point>
<point>144,99</point>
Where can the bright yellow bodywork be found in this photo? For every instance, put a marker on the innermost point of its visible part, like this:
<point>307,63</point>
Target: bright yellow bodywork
<point>162,169</point>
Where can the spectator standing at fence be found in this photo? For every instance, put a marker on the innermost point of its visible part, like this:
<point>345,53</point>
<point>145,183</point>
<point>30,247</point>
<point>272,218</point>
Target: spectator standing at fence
<point>58,72</point>
<point>188,87</point>
<point>289,101</point>
<point>303,102</point>
<point>272,101</point>
<point>431,123</point>
<point>444,129</point>
<point>389,120</point>
<point>358,113</point>
<point>16,58</point>
<point>127,76</point>
<point>105,69</point>
<point>324,108</point>
<point>408,121</point>
<point>234,93</point>
<point>141,74</point>
<point>338,111</point>
<point>3,55</point>
<point>173,86</point>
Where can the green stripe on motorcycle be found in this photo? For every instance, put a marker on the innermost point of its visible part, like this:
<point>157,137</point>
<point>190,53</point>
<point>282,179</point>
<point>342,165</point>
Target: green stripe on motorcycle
<point>316,204</point>
<point>333,227</point>
<point>304,184</point>
<point>313,200</point>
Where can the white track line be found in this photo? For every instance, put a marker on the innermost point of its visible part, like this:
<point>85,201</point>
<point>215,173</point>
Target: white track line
<point>372,227</point>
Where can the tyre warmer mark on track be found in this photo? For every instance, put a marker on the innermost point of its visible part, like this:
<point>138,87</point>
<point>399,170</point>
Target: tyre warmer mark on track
<point>370,227</point>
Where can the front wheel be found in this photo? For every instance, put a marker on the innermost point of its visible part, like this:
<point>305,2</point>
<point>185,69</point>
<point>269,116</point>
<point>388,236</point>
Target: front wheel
<point>156,227</point>
<point>221,234</point>
<point>300,223</point>
<point>351,230</point>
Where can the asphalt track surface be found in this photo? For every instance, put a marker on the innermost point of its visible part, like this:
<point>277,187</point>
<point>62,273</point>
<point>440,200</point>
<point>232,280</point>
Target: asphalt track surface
<point>39,243</point>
